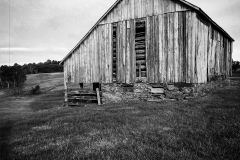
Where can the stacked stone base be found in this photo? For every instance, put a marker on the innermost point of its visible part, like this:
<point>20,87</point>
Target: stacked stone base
<point>114,93</point>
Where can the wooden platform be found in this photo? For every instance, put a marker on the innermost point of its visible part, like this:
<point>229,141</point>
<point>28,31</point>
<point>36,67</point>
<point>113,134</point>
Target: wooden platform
<point>82,97</point>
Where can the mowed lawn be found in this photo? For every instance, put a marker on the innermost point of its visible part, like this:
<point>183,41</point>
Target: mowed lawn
<point>203,128</point>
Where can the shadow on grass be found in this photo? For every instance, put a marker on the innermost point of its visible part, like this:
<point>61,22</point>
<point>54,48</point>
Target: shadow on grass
<point>46,101</point>
<point>5,134</point>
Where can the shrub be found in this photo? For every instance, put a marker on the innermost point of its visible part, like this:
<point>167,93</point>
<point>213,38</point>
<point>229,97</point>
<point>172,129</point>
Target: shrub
<point>35,90</point>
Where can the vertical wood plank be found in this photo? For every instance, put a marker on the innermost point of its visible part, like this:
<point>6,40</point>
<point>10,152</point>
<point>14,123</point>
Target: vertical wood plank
<point>101,55</point>
<point>128,57</point>
<point>209,51</point>
<point>170,49</point>
<point>151,51</point>
<point>176,49</point>
<point>77,66</point>
<point>180,44</point>
<point>184,63</point>
<point>98,75</point>
<point>94,56</point>
<point>132,9</point>
<point>160,41</point>
<point>105,54</point>
<point>136,8</point>
<point>110,54</point>
<point>124,49</point>
<point>156,49</point>
<point>133,53</point>
<point>165,44</point>
<point>90,59</point>
<point>188,48</point>
<point>156,7</point>
<point>80,63</point>
<point>193,52</point>
<point>148,48</point>
<point>87,60</point>
<point>161,6</point>
<point>106,60</point>
<point>119,52</point>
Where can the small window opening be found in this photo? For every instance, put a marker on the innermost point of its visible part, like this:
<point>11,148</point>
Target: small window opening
<point>114,72</point>
<point>140,48</point>
<point>96,85</point>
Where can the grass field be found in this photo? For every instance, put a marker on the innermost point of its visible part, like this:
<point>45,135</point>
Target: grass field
<point>37,127</point>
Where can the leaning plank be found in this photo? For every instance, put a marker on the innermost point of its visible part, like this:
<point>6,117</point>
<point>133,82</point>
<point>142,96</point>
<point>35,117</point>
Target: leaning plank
<point>98,96</point>
<point>65,94</point>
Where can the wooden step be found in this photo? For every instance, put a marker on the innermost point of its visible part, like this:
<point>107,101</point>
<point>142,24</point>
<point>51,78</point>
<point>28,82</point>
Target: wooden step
<point>82,100</point>
<point>76,98</point>
<point>82,94</point>
<point>75,105</point>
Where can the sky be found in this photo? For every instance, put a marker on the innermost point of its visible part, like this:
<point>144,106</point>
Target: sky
<point>49,29</point>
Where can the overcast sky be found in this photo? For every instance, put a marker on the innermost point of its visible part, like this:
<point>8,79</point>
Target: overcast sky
<point>49,29</point>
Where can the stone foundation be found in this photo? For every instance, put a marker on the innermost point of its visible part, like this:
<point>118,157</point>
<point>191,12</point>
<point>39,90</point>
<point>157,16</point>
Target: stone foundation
<point>113,93</point>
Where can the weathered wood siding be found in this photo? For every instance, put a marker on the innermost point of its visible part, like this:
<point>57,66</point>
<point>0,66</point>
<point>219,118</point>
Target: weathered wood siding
<point>132,9</point>
<point>180,47</point>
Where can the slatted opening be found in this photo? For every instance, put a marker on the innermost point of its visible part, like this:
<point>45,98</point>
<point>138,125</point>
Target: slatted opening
<point>140,48</point>
<point>114,72</point>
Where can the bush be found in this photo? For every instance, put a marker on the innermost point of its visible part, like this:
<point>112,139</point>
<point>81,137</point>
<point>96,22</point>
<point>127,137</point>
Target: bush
<point>35,90</point>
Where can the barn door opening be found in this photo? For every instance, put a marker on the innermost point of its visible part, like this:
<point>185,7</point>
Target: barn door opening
<point>140,48</point>
<point>114,41</point>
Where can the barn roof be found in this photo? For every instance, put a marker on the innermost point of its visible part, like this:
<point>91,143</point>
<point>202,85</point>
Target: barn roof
<point>196,8</point>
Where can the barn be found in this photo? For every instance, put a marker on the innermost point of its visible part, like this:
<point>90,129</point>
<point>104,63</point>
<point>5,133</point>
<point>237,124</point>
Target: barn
<point>151,41</point>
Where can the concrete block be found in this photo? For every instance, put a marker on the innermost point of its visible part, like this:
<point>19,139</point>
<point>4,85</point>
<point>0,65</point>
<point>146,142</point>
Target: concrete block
<point>157,90</point>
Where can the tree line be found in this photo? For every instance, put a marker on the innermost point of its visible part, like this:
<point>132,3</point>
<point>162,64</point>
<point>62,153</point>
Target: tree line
<point>235,65</point>
<point>14,76</point>
<point>46,67</point>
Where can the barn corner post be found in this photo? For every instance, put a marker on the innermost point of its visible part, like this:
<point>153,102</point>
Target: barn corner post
<point>65,89</point>
<point>65,94</point>
<point>97,88</point>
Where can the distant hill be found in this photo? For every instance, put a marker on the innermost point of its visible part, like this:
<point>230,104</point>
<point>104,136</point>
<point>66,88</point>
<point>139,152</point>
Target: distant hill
<point>46,81</point>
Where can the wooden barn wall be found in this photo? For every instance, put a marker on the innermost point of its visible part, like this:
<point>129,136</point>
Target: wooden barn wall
<point>219,54</point>
<point>132,9</point>
<point>92,60</point>
<point>182,48</point>
<point>179,48</point>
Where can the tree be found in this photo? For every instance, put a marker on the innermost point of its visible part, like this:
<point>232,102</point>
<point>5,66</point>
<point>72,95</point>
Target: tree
<point>13,74</point>
<point>235,65</point>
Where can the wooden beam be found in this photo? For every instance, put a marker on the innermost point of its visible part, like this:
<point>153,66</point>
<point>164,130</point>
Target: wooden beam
<point>65,95</point>
<point>98,96</point>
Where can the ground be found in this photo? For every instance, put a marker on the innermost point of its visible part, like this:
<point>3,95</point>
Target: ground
<point>38,127</point>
